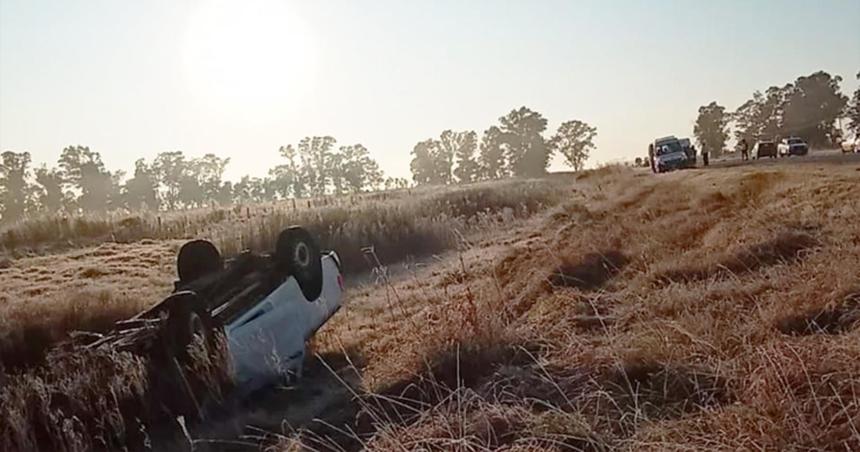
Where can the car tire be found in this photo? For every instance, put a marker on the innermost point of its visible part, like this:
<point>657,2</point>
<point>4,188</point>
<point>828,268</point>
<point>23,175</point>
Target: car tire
<point>196,259</point>
<point>188,320</point>
<point>298,254</point>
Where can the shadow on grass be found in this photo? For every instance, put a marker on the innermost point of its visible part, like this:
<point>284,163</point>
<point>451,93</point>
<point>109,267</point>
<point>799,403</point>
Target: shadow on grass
<point>589,273</point>
<point>836,318</point>
<point>786,247</point>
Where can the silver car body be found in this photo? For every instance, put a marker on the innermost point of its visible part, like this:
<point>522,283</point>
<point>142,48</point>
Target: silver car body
<point>267,343</point>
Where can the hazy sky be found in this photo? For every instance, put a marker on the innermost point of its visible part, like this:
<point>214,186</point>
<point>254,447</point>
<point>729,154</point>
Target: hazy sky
<point>240,78</point>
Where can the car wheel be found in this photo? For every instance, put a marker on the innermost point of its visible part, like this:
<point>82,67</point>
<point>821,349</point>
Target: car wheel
<point>188,323</point>
<point>196,259</point>
<point>298,254</point>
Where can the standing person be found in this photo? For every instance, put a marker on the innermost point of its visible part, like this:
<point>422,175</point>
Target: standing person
<point>745,154</point>
<point>651,157</point>
<point>704,155</point>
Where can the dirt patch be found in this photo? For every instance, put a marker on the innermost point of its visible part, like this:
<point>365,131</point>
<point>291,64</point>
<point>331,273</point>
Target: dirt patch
<point>786,247</point>
<point>589,273</point>
<point>836,318</point>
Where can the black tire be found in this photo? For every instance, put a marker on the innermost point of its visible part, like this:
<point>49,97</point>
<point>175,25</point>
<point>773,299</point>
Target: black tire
<point>298,254</point>
<point>196,259</point>
<point>188,320</point>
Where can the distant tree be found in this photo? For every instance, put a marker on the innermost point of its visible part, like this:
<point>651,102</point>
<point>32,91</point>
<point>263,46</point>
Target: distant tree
<point>852,111</point>
<point>395,183</point>
<point>225,194</point>
<point>84,170</point>
<point>527,151</point>
<point>711,128</point>
<point>574,140</point>
<point>287,179</point>
<point>170,168</point>
<point>210,173</point>
<point>443,156</point>
<point>141,190</point>
<point>315,153</point>
<point>468,169</point>
<point>492,158</point>
<point>15,191</point>
<point>191,192</point>
<point>357,170</point>
<point>336,172</point>
<point>252,190</point>
<point>761,117</point>
<point>812,106</point>
<point>423,165</point>
<point>49,189</point>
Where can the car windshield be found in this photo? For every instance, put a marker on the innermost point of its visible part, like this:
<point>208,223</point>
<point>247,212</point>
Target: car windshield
<point>795,141</point>
<point>668,148</point>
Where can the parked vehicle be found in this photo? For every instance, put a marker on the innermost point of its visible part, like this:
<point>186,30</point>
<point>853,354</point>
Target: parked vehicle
<point>792,146</point>
<point>266,306</point>
<point>669,154</point>
<point>850,145</point>
<point>765,149</point>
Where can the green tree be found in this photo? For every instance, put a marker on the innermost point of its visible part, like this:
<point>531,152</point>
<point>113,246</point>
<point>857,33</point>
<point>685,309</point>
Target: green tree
<point>84,170</point>
<point>812,106</point>
<point>527,151</point>
<point>761,117</point>
<point>357,170</point>
<point>191,193</point>
<point>169,169</point>
<point>315,153</point>
<point>492,155</point>
<point>443,156</point>
<point>15,190</point>
<point>423,164</point>
<point>287,180</point>
<point>574,140</point>
<point>467,169</point>
<point>50,194</point>
<point>711,128</point>
<point>210,173</point>
<point>252,190</point>
<point>395,183</point>
<point>141,190</point>
<point>852,111</point>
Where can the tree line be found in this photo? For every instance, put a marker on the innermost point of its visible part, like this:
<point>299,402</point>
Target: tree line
<point>809,107</point>
<point>80,182</point>
<point>314,167</point>
<point>514,147</point>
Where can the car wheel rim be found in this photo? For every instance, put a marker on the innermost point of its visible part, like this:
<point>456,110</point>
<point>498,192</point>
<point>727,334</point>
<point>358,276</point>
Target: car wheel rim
<point>302,255</point>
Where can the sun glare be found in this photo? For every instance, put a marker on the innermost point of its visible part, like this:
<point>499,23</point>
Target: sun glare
<point>250,56</point>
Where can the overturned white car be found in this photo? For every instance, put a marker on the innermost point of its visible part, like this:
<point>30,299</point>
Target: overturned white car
<point>266,305</point>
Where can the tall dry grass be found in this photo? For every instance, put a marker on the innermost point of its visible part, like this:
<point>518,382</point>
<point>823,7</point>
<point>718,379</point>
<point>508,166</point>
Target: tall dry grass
<point>702,310</point>
<point>420,219</point>
<point>89,288</point>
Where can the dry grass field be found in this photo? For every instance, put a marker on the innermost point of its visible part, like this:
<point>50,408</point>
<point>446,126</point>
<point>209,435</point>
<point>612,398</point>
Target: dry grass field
<point>699,310</point>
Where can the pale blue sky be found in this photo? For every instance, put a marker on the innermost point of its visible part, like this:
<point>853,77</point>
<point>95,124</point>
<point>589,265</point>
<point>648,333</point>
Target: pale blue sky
<point>133,78</point>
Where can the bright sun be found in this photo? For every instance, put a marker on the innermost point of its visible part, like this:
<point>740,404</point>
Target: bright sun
<point>248,56</point>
